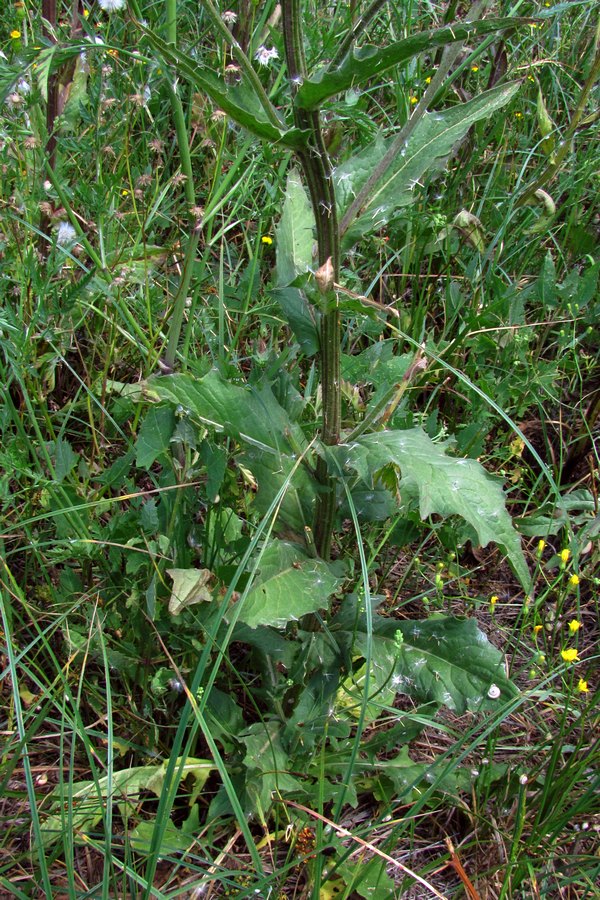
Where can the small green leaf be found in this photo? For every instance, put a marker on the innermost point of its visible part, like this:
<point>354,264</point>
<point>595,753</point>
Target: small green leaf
<point>289,585</point>
<point>301,316</point>
<point>444,485</point>
<point>154,436</point>
<point>66,459</point>
<point>295,233</point>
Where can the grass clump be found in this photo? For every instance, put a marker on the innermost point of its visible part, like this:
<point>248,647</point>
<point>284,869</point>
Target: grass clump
<point>299,475</point>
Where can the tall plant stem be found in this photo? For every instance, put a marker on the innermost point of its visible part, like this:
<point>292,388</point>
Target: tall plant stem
<point>168,363</point>
<point>316,166</point>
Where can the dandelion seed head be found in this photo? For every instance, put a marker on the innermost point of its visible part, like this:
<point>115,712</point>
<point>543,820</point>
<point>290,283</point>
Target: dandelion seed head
<point>66,235</point>
<point>264,55</point>
<point>111,5</point>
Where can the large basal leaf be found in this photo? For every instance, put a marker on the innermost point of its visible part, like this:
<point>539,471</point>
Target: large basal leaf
<point>369,61</point>
<point>253,416</point>
<point>295,233</point>
<point>297,506</point>
<point>443,485</point>
<point>244,412</point>
<point>89,797</point>
<point>446,660</point>
<point>426,149</point>
<point>288,586</point>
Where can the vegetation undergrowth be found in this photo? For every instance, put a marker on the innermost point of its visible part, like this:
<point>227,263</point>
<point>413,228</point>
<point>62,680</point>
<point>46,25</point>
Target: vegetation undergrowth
<point>298,476</point>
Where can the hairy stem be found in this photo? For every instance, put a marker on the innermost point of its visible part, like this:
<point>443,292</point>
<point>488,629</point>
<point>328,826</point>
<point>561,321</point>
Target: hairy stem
<point>317,171</point>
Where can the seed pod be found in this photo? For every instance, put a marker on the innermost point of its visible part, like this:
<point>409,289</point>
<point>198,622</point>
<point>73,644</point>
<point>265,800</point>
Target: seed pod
<point>324,277</point>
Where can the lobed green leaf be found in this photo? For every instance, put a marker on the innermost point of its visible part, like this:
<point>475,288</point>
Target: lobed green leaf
<point>443,485</point>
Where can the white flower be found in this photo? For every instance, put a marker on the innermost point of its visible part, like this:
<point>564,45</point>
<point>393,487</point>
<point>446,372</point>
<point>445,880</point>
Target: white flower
<point>229,17</point>
<point>494,692</point>
<point>523,779</point>
<point>111,5</point>
<point>66,235</point>
<point>264,55</point>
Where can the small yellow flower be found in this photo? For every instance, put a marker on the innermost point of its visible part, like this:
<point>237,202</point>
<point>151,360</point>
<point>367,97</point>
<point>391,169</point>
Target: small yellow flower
<point>569,655</point>
<point>414,100</point>
<point>86,14</point>
<point>428,79</point>
<point>582,686</point>
<point>474,68</point>
<point>574,626</point>
<point>574,580</point>
<point>493,600</point>
<point>15,35</point>
<point>565,555</point>
<point>537,629</point>
<point>518,115</point>
<point>540,547</point>
<point>530,78</point>
<point>266,239</point>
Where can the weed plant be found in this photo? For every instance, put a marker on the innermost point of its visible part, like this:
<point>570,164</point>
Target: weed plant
<point>298,473</point>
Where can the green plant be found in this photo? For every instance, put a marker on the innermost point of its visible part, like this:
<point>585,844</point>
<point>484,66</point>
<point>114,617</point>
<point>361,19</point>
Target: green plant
<point>205,577</point>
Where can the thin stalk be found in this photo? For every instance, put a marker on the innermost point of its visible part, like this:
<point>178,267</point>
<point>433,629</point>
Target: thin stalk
<point>168,363</point>
<point>565,147</point>
<point>20,722</point>
<point>316,166</point>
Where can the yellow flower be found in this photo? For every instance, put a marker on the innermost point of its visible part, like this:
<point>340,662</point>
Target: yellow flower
<point>474,68</point>
<point>266,239</point>
<point>574,626</point>
<point>518,115</point>
<point>540,547</point>
<point>537,629</point>
<point>570,655</point>
<point>565,555</point>
<point>414,100</point>
<point>493,600</point>
<point>124,193</point>
<point>574,580</point>
<point>15,35</point>
<point>428,79</point>
<point>582,686</point>
<point>86,14</point>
